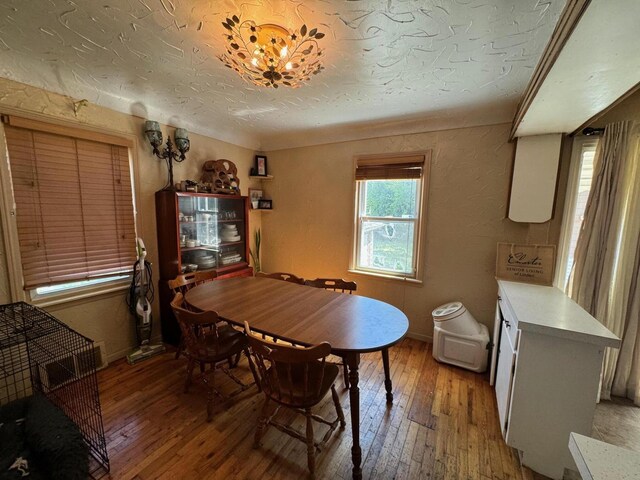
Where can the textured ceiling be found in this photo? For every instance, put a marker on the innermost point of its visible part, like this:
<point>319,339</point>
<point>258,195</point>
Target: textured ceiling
<point>585,81</point>
<point>387,62</point>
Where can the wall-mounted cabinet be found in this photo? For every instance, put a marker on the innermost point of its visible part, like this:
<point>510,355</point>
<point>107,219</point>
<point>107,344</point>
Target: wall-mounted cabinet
<point>535,172</point>
<point>198,231</point>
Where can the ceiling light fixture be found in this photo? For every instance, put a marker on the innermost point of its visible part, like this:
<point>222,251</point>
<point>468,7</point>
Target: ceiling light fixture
<point>270,55</point>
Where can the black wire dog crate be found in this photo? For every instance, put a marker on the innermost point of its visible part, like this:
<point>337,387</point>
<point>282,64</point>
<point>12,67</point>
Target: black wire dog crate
<point>40,354</point>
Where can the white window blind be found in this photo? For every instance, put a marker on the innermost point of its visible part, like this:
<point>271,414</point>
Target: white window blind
<point>74,204</point>
<point>580,197</point>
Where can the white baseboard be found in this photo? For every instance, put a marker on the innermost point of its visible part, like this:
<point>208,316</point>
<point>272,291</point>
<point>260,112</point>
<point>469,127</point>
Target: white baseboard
<point>113,356</point>
<point>420,336</point>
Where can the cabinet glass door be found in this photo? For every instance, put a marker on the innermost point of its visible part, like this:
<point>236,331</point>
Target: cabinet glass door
<point>211,232</point>
<point>231,249</point>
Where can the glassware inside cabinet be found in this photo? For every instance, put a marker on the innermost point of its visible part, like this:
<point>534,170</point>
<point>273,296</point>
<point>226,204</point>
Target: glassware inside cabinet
<point>187,219</point>
<point>212,232</point>
<point>197,220</point>
<point>207,229</point>
<point>232,241</point>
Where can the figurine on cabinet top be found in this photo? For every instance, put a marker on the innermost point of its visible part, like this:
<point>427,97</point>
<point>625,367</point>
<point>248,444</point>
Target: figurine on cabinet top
<point>221,176</point>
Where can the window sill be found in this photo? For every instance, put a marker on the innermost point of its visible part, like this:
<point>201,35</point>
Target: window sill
<point>78,294</point>
<point>382,276</point>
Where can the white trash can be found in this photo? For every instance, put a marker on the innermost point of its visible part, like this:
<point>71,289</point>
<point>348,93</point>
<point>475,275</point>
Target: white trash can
<point>458,338</point>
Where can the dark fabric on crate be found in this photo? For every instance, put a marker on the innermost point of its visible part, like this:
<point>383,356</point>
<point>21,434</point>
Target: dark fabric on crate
<point>46,438</point>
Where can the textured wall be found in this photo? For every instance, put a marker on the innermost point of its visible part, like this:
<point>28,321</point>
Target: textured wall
<point>106,317</point>
<point>309,232</point>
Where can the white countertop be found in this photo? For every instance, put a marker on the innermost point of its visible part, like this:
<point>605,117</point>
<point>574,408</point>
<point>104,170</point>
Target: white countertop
<point>598,460</point>
<point>547,310</point>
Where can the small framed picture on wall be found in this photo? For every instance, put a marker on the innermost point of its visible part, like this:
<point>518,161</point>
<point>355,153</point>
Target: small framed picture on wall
<point>255,194</point>
<point>261,165</point>
<point>254,197</point>
<point>264,204</point>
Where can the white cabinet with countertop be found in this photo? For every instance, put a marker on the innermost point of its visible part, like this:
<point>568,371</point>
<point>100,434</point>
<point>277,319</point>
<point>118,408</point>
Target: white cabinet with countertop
<point>598,460</point>
<point>546,372</point>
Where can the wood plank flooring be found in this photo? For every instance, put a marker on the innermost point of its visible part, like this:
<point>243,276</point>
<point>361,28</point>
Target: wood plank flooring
<point>442,425</point>
<point>617,421</point>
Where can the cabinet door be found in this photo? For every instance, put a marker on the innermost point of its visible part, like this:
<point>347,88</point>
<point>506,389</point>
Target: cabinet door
<point>504,377</point>
<point>495,343</point>
<point>212,232</point>
<point>535,171</point>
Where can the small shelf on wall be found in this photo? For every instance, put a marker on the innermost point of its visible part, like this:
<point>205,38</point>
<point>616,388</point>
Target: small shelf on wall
<point>260,178</point>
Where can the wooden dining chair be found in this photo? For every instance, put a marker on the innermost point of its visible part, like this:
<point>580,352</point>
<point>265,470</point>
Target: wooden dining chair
<point>336,285</point>
<point>185,282</point>
<point>212,346</point>
<point>182,284</point>
<point>296,378</point>
<point>287,277</point>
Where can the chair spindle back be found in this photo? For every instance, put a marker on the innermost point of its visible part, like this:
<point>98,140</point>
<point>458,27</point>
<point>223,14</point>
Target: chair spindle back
<point>290,375</point>
<point>191,322</point>
<point>185,282</point>
<point>287,277</point>
<point>335,284</point>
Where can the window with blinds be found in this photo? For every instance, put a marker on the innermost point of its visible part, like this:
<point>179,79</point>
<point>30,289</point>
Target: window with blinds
<point>74,203</point>
<point>389,192</point>
<point>578,189</point>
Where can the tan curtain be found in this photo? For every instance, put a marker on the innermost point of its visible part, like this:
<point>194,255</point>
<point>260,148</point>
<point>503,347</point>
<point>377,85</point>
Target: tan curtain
<point>605,270</point>
<point>626,381</point>
<point>626,304</point>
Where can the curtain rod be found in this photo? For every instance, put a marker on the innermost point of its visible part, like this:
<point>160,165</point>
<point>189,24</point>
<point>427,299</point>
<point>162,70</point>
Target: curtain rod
<point>592,131</point>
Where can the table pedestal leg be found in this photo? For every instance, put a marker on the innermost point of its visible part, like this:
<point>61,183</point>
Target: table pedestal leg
<point>387,375</point>
<point>353,360</point>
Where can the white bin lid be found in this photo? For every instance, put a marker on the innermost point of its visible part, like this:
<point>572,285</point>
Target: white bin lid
<point>448,311</point>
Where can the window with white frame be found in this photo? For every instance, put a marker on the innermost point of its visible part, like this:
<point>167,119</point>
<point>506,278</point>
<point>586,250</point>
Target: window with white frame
<point>73,207</point>
<point>578,189</point>
<point>389,197</point>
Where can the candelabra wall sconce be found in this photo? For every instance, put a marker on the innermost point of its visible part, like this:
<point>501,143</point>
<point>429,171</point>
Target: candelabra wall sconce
<point>168,153</point>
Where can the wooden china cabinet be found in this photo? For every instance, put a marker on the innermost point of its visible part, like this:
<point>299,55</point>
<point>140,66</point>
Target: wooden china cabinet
<point>203,232</point>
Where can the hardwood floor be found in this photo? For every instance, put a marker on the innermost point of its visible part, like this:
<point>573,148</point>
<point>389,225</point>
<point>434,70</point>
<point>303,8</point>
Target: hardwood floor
<point>617,421</point>
<point>442,425</point>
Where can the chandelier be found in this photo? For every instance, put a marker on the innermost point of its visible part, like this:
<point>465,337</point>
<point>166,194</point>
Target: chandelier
<point>270,55</point>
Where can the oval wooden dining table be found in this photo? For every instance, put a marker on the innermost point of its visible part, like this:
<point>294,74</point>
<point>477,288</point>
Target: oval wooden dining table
<point>304,315</point>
